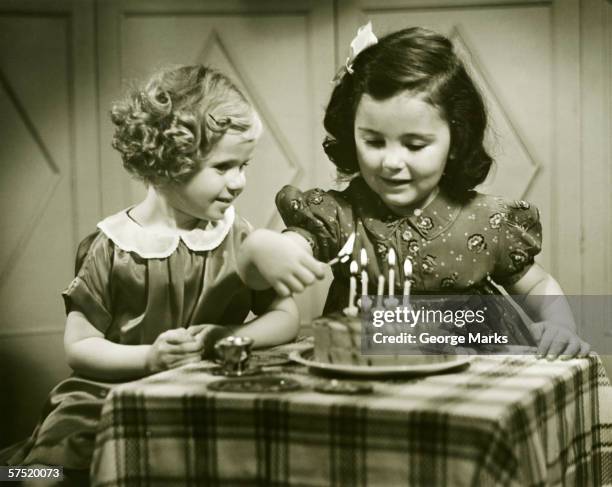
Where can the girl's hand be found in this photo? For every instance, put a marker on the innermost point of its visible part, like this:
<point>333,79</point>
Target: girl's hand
<point>281,260</point>
<point>554,341</point>
<point>174,348</point>
<point>208,335</point>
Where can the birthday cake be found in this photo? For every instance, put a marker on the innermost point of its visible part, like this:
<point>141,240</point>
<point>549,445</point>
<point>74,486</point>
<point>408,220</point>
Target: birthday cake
<point>341,338</point>
<point>338,340</point>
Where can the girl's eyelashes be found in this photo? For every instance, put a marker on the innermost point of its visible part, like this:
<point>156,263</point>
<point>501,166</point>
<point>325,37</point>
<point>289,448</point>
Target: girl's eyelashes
<point>415,147</point>
<point>416,143</point>
<point>223,167</point>
<point>377,144</point>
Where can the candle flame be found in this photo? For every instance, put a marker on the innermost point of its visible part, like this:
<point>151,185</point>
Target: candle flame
<point>353,267</point>
<point>347,248</point>
<point>391,257</point>
<point>363,257</point>
<point>408,268</point>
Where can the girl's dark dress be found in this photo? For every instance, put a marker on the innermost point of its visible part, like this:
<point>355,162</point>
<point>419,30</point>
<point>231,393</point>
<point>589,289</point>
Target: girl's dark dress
<point>132,284</point>
<point>455,247</point>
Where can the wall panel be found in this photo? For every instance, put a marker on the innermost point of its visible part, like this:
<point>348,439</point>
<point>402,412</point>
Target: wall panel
<point>49,164</point>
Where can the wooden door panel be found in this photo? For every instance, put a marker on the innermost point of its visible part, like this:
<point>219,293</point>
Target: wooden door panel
<point>35,192</point>
<point>48,192</point>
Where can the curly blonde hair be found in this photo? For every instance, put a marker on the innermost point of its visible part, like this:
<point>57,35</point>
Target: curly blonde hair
<point>164,130</point>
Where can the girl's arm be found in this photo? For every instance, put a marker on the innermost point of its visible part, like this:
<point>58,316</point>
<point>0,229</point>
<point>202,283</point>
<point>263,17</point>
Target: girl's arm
<point>538,288</point>
<point>545,302</point>
<point>279,324</point>
<point>281,261</point>
<point>92,355</point>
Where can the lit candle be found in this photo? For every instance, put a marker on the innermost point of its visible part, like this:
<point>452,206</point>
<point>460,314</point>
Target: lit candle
<point>391,261</point>
<point>407,278</point>
<point>351,309</point>
<point>380,291</point>
<point>363,260</point>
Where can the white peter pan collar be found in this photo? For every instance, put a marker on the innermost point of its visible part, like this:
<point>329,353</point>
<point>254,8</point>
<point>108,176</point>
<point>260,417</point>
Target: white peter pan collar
<point>150,244</point>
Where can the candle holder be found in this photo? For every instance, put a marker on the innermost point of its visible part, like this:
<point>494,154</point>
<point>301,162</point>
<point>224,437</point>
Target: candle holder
<point>234,353</point>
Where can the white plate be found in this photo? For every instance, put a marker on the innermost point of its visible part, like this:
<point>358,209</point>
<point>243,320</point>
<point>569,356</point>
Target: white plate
<point>302,357</point>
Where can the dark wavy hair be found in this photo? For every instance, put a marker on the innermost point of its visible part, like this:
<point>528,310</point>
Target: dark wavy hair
<point>164,129</point>
<point>423,62</point>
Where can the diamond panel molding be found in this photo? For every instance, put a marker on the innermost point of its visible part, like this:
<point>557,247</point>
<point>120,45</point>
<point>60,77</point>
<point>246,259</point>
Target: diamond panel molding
<point>29,177</point>
<point>275,163</point>
<point>515,168</point>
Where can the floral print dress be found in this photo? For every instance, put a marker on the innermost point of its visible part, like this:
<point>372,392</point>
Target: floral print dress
<point>455,248</point>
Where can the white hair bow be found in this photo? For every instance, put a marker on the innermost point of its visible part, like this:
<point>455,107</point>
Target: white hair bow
<point>364,39</point>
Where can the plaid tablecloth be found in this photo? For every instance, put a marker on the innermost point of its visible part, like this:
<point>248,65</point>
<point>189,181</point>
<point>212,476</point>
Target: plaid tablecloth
<point>505,420</point>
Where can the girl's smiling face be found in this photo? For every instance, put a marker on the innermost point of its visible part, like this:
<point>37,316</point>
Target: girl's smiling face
<point>221,178</point>
<point>402,148</point>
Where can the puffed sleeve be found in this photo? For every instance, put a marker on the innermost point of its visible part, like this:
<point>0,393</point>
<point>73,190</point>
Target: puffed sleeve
<point>520,240</point>
<point>89,292</point>
<point>314,214</point>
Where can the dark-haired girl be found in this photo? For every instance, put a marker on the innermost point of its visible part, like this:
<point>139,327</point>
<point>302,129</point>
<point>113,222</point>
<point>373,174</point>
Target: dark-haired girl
<point>406,123</point>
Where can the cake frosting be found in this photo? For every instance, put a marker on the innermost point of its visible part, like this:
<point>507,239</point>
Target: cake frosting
<point>338,340</point>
